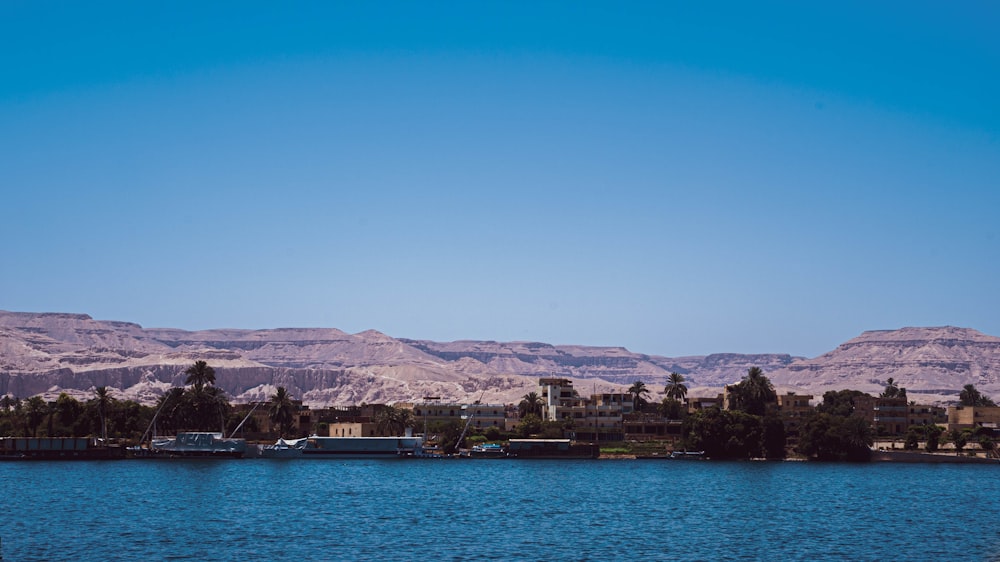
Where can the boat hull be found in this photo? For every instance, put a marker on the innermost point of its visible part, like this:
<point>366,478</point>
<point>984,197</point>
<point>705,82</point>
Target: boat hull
<point>198,445</point>
<point>345,448</point>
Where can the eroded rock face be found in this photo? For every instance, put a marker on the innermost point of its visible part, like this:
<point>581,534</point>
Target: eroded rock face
<point>933,364</point>
<point>48,353</point>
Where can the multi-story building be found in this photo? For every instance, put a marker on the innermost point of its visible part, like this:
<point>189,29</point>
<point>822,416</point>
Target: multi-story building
<point>890,416</point>
<point>597,418</point>
<point>967,417</point>
<point>794,409</point>
<point>639,426</point>
<point>920,414</point>
<point>894,416</point>
<point>482,415</point>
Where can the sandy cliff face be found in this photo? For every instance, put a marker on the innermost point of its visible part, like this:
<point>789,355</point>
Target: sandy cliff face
<point>931,363</point>
<point>49,353</point>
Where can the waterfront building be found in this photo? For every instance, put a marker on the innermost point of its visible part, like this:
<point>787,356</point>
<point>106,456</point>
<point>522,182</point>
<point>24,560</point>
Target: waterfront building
<point>794,409</point>
<point>697,403</point>
<point>895,416</point>
<point>921,414</point>
<point>890,415</point>
<point>485,415</point>
<point>641,426</point>
<point>350,429</point>
<point>597,418</point>
<point>482,415</point>
<point>970,417</point>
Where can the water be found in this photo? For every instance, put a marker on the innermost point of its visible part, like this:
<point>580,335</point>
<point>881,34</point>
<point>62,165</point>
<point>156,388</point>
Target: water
<point>497,510</point>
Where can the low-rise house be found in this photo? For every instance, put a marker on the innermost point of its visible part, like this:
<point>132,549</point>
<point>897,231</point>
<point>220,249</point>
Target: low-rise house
<point>971,417</point>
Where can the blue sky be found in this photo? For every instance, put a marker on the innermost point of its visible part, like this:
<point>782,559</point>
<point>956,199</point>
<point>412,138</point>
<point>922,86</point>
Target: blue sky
<point>676,179</point>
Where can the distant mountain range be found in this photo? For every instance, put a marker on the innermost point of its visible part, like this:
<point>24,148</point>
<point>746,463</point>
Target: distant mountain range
<point>48,353</point>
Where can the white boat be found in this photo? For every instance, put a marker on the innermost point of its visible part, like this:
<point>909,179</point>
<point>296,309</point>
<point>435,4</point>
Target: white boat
<point>315,447</point>
<point>687,455</point>
<point>284,449</point>
<point>198,444</point>
<point>488,451</point>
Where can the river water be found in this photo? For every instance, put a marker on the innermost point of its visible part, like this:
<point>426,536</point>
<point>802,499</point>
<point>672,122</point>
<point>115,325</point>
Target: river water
<point>497,510</point>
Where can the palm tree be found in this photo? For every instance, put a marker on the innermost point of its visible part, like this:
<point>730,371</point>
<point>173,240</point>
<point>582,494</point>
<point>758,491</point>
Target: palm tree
<point>172,410</point>
<point>200,374</point>
<point>67,411</point>
<point>959,439</point>
<point>389,421</point>
<point>530,404</point>
<point>35,412</point>
<point>755,392</point>
<point>676,389</point>
<point>858,435</point>
<point>104,399</point>
<point>892,390</point>
<point>637,389</point>
<point>970,396</point>
<point>282,412</point>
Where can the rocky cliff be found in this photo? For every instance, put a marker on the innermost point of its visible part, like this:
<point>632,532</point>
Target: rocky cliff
<point>52,352</point>
<point>931,363</point>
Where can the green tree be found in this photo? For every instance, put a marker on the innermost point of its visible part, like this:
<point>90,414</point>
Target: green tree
<point>35,411</point>
<point>637,390</point>
<point>959,439</point>
<point>969,396</point>
<point>754,392</point>
<point>282,410</point>
<point>103,400</point>
<point>529,425</point>
<point>530,404</point>
<point>839,402</point>
<point>447,434</point>
<point>933,435</point>
<point>129,419</point>
<point>200,375</point>
<point>392,421</point>
<point>725,434</point>
<point>893,390</point>
<point>68,411</point>
<point>492,433</point>
<point>206,408</point>
<point>829,437</point>
<point>672,409</point>
<point>774,438</point>
<point>173,411</point>
<point>987,444</point>
<point>676,389</point>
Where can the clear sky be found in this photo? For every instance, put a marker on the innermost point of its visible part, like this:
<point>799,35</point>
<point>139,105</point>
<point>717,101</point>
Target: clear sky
<point>676,178</point>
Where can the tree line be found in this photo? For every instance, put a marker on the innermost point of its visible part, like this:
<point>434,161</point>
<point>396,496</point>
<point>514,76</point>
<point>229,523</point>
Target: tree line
<point>200,405</point>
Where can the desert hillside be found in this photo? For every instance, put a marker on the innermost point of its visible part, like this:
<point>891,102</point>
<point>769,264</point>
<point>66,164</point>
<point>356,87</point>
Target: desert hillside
<point>48,353</point>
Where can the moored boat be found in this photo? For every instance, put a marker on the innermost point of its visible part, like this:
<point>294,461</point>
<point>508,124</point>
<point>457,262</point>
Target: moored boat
<point>197,444</point>
<point>315,447</point>
<point>687,455</point>
<point>488,451</point>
